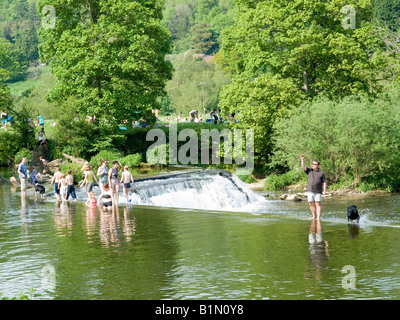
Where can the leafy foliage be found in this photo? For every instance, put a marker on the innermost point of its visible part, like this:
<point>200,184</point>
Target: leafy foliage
<point>108,55</point>
<point>19,139</point>
<point>191,77</point>
<point>203,39</point>
<point>80,138</point>
<point>186,21</point>
<point>280,54</point>
<point>388,12</point>
<point>355,139</point>
<point>110,155</point>
<point>7,64</point>
<point>279,181</point>
<point>19,24</point>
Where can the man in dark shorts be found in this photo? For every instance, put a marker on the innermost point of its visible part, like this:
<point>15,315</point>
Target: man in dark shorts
<point>316,186</point>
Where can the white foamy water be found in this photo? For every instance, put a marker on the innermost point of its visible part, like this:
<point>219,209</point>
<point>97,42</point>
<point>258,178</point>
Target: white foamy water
<point>199,191</point>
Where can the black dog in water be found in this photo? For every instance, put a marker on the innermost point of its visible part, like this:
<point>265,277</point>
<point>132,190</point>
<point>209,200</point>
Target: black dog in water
<point>352,214</point>
<point>40,189</point>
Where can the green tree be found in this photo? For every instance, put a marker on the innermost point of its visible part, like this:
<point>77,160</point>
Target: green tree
<point>191,76</point>
<point>203,39</point>
<point>281,53</point>
<point>19,24</point>
<point>180,21</point>
<point>27,41</point>
<point>204,7</point>
<point>7,65</point>
<point>181,15</point>
<point>108,55</point>
<point>388,12</point>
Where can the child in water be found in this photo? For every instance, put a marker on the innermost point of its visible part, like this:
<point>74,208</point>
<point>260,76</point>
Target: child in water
<point>127,182</point>
<point>91,202</point>
<point>63,185</point>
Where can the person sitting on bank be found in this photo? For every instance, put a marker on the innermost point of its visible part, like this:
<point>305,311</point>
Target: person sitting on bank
<point>41,139</point>
<point>193,115</point>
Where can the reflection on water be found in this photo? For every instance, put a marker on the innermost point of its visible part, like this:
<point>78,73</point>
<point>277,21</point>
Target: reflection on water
<point>354,230</point>
<point>273,251</point>
<point>318,247</point>
<point>111,226</point>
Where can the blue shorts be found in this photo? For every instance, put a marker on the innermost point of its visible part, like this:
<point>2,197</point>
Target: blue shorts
<point>56,189</point>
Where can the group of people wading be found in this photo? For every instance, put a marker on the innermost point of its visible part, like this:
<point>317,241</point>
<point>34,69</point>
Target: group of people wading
<point>108,181</point>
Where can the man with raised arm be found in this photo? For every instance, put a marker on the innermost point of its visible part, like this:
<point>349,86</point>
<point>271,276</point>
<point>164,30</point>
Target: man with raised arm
<point>316,186</point>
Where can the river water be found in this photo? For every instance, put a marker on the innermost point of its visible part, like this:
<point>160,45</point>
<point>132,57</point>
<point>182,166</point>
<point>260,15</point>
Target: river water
<point>265,250</point>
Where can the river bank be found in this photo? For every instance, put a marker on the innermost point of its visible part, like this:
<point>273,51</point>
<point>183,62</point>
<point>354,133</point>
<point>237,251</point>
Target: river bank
<point>297,192</point>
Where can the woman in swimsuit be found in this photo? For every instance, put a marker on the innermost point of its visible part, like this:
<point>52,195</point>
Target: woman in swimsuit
<point>113,179</point>
<point>107,196</point>
<point>102,174</point>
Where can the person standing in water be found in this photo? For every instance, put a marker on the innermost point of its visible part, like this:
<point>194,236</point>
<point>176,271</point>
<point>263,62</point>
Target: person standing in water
<point>56,180</point>
<point>70,187</point>
<point>127,182</point>
<point>113,180</point>
<point>89,179</point>
<point>107,196</point>
<point>23,174</point>
<point>316,186</point>
<point>102,173</point>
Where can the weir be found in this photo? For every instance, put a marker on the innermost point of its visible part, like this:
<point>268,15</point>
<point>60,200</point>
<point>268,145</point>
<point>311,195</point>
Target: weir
<point>207,189</point>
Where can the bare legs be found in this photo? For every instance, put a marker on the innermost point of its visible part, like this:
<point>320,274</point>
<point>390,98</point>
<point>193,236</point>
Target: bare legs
<point>315,208</point>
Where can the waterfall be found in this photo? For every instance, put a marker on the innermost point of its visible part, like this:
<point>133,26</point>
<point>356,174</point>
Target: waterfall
<point>202,189</point>
<point>208,189</point>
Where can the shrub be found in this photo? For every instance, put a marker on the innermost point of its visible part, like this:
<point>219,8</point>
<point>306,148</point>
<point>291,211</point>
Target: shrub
<point>23,153</point>
<point>247,178</point>
<point>9,147</point>
<point>110,155</point>
<point>354,138</point>
<point>18,140</point>
<point>158,154</point>
<point>132,160</point>
<point>75,170</point>
<point>80,138</point>
<point>278,181</point>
